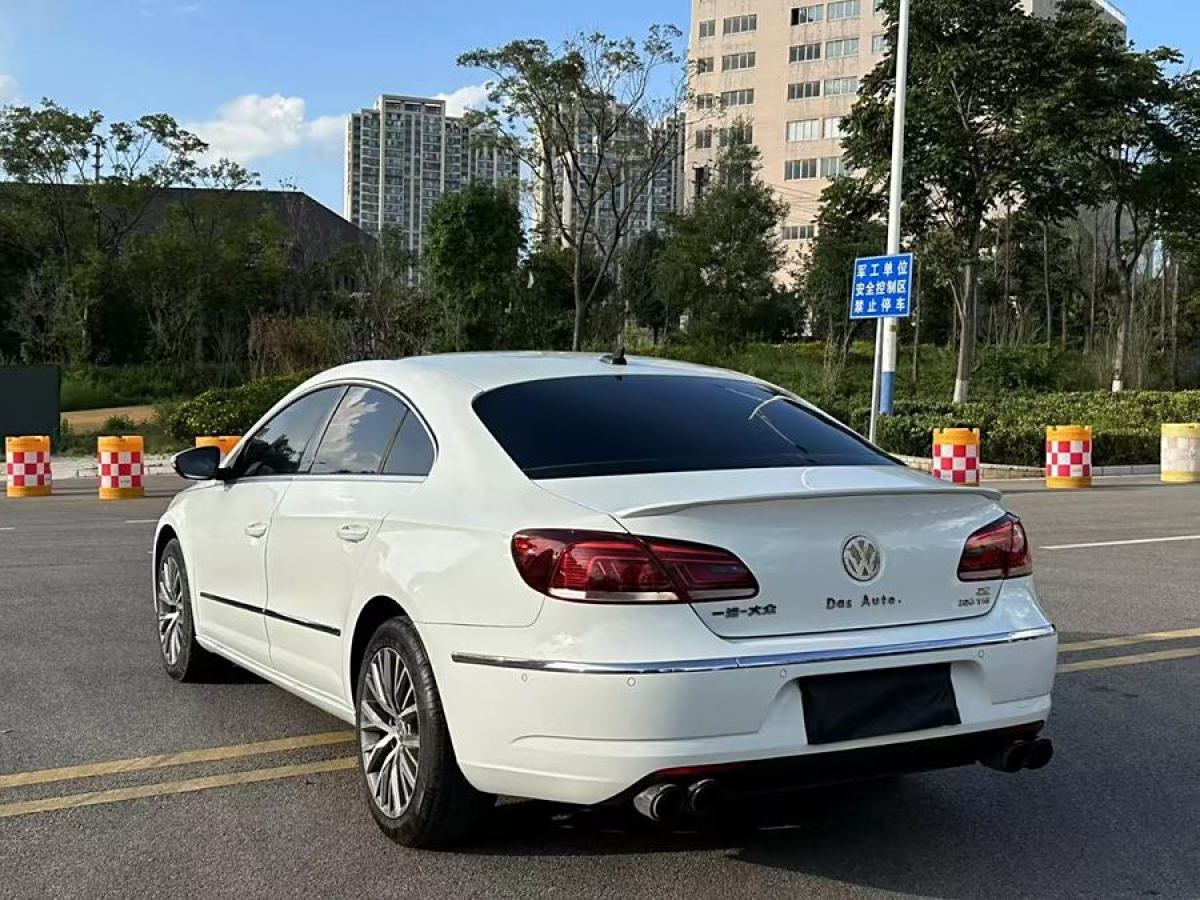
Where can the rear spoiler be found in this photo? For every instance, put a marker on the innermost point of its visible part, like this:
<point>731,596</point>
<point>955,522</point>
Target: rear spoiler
<point>675,506</point>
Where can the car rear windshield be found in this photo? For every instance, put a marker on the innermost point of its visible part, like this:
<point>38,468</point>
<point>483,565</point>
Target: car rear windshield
<point>636,424</point>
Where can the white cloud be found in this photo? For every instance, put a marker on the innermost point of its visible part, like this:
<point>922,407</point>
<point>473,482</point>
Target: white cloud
<point>10,91</point>
<point>473,96</point>
<point>254,127</point>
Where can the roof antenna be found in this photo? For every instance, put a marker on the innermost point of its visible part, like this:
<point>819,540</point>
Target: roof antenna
<point>615,359</point>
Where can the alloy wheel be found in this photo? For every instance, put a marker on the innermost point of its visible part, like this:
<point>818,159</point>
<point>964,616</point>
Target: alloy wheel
<point>389,732</point>
<point>168,605</point>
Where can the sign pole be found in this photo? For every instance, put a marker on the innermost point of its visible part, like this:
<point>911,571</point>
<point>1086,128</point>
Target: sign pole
<point>890,330</point>
<point>875,380</point>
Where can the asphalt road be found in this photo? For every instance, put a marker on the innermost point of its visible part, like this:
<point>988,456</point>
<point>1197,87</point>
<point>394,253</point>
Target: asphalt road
<point>1116,814</point>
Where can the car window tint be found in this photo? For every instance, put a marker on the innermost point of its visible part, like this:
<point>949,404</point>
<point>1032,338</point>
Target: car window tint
<point>632,424</point>
<point>278,447</point>
<point>413,452</point>
<point>359,433</point>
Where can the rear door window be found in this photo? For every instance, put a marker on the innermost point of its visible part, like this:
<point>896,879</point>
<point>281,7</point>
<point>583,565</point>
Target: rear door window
<point>634,424</point>
<point>360,433</point>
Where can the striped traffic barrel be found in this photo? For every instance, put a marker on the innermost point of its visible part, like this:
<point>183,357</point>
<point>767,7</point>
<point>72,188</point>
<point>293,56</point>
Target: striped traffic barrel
<point>1068,456</point>
<point>27,466</point>
<point>1181,453</point>
<point>224,443</point>
<point>956,455</point>
<point>121,467</point>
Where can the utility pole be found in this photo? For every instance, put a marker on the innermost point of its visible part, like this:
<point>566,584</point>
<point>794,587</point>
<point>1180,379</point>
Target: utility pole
<point>887,331</point>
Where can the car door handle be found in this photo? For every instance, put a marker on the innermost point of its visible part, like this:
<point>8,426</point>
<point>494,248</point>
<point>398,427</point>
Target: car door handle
<point>256,529</point>
<point>353,533</point>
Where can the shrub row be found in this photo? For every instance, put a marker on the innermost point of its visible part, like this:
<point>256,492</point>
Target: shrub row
<point>97,387</point>
<point>1127,427</point>
<point>228,410</point>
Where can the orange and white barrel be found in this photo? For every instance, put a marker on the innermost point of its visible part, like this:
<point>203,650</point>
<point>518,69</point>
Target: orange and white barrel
<point>121,467</point>
<point>1068,456</point>
<point>1181,453</point>
<point>956,455</point>
<point>224,443</point>
<point>27,466</point>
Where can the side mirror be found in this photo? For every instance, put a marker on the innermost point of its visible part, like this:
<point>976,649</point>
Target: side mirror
<point>198,464</point>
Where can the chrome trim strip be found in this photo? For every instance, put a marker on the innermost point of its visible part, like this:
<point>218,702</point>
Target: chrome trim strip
<point>731,663</point>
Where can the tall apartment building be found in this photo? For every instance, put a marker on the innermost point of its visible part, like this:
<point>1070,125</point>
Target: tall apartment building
<point>791,70</point>
<point>644,207</point>
<point>403,155</point>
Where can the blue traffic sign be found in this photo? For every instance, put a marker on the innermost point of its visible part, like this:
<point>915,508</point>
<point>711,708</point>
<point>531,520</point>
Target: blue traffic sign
<point>882,287</point>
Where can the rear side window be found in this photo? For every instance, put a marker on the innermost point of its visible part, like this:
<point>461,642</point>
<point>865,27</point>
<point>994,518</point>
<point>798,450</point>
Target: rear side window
<point>412,453</point>
<point>636,424</point>
<point>359,434</point>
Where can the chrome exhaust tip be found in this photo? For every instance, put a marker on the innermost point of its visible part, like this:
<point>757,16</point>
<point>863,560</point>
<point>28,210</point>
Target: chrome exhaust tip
<point>660,802</point>
<point>703,798</point>
<point>1011,757</point>
<point>1040,753</point>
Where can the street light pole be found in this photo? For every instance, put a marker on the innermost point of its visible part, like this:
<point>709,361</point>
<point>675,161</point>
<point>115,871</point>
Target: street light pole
<point>887,330</point>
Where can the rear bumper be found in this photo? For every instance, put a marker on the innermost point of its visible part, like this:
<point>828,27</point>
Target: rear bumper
<point>848,765</point>
<point>582,732</point>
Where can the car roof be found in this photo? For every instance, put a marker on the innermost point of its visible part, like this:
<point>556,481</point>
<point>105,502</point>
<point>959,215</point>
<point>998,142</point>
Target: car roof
<point>487,371</point>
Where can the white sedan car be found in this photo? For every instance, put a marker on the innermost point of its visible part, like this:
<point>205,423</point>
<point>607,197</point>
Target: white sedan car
<point>588,580</point>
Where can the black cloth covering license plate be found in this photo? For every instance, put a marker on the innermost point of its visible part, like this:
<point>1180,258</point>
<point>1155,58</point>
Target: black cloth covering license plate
<point>856,705</point>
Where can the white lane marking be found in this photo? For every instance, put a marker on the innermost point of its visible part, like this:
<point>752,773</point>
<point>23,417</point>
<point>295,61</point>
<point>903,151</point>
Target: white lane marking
<point>1129,543</point>
<point>141,521</point>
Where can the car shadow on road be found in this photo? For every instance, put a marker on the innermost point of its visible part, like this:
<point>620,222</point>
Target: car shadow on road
<point>906,835</point>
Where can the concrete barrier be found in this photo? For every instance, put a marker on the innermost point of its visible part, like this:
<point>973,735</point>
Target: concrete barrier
<point>27,466</point>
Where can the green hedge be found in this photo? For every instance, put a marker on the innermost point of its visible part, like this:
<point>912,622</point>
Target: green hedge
<point>1127,427</point>
<point>223,411</point>
<point>98,387</point>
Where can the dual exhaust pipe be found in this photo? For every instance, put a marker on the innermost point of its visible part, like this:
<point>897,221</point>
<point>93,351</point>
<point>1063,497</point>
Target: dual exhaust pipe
<point>668,801</point>
<point>1018,755</point>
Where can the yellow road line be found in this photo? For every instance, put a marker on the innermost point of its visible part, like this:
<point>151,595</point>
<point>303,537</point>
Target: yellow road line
<point>165,760</point>
<point>1113,662</point>
<point>1129,640</point>
<point>166,788</point>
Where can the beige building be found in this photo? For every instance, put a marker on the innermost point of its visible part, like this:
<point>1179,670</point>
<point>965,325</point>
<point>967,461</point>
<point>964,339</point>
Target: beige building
<point>791,70</point>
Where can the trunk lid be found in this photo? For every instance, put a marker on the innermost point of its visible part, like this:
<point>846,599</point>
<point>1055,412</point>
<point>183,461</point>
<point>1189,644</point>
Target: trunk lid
<point>794,529</point>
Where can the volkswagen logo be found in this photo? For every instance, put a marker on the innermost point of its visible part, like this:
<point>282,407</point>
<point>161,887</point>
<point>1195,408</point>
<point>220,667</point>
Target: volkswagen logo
<point>861,558</point>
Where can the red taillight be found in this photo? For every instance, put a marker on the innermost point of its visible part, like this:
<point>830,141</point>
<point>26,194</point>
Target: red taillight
<point>1001,550</point>
<point>598,567</point>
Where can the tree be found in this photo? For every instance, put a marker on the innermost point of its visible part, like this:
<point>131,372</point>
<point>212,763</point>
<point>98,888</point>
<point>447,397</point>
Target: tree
<point>472,250</point>
<point>976,72</point>
<point>586,121</point>
<point>543,308</point>
<point>849,226</point>
<point>1122,129</point>
<point>641,292</point>
<point>723,255</point>
<point>81,191</point>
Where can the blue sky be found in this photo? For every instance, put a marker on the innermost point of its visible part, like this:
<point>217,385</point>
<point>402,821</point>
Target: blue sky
<point>268,81</point>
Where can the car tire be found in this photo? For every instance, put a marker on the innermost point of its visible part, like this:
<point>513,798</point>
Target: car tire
<point>182,657</point>
<point>413,785</point>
